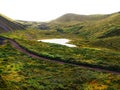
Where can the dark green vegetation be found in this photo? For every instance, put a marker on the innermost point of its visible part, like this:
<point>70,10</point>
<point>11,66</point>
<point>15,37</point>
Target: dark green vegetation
<point>98,45</point>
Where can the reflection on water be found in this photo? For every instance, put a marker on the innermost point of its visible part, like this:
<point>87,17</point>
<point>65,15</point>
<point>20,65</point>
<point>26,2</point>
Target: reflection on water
<point>58,41</point>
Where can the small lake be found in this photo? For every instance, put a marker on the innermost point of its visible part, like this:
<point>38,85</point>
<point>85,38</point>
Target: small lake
<point>58,41</point>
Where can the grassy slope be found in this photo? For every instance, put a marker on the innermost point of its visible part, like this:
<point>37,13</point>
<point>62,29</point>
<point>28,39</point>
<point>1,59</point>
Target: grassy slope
<point>96,26</point>
<point>111,43</point>
<point>20,72</point>
<point>87,52</point>
<point>75,17</point>
<point>94,30</point>
<point>103,28</point>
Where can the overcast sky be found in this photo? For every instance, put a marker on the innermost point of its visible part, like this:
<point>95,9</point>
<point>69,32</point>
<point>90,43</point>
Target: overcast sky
<point>45,10</point>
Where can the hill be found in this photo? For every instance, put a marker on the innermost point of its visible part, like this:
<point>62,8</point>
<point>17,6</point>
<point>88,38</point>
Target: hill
<point>107,27</point>
<point>75,17</point>
<point>90,26</point>
<point>7,24</point>
<point>100,30</point>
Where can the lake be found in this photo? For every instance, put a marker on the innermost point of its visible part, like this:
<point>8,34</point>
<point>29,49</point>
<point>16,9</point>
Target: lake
<point>58,41</point>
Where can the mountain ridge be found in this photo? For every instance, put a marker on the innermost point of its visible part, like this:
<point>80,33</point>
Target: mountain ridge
<point>77,17</point>
<point>7,24</point>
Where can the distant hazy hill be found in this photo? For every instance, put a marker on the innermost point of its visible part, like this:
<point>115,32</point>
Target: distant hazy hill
<point>7,24</point>
<point>34,25</point>
<point>75,17</point>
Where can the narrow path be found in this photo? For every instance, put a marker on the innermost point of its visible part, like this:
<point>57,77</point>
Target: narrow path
<point>18,47</point>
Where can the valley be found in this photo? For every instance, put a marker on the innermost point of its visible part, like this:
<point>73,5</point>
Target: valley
<point>94,64</point>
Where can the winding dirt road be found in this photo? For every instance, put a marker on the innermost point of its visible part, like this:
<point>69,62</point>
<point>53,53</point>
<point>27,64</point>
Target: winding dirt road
<point>21,49</point>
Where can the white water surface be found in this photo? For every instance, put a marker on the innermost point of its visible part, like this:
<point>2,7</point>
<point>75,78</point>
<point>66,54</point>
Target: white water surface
<point>58,41</point>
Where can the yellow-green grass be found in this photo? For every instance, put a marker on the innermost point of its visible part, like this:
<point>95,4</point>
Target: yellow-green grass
<point>19,72</point>
<point>88,52</point>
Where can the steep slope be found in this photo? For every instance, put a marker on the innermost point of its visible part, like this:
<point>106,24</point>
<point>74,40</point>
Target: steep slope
<point>7,24</point>
<point>107,27</point>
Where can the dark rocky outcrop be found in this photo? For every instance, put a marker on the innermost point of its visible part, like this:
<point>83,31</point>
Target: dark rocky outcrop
<point>43,26</point>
